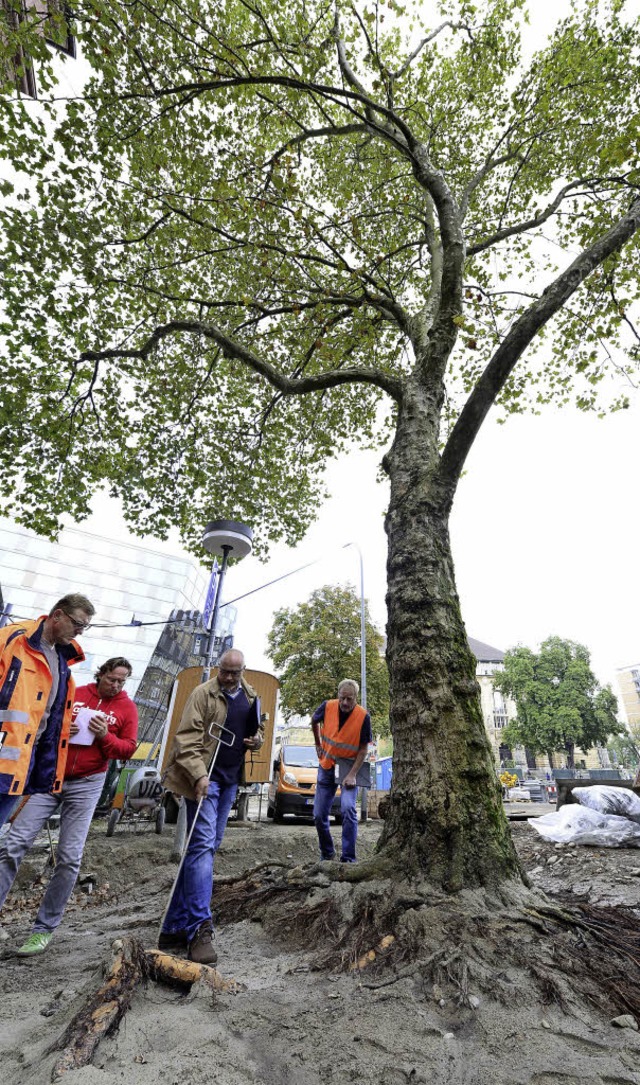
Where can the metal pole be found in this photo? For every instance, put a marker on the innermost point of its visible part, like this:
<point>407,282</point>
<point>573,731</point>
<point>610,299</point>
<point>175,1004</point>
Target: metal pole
<point>363,630</point>
<point>206,672</point>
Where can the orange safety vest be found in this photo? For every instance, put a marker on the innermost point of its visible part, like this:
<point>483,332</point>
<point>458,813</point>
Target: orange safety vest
<point>339,741</point>
<point>25,683</point>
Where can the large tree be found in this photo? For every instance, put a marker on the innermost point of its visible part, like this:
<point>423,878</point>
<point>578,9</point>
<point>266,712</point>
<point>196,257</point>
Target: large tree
<point>559,701</point>
<point>265,231</point>
<point>317,643</point>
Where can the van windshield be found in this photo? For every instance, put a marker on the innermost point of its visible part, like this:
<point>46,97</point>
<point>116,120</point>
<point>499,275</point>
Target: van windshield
<point>300,757</point>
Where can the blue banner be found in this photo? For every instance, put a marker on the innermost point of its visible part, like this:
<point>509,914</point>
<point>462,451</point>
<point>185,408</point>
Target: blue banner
<point>207,612</point>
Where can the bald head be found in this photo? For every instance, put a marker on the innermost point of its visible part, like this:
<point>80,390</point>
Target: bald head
<point>230,669</point>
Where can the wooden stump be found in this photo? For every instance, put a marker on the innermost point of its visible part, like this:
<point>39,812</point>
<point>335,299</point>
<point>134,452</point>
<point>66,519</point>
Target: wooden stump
<point>128,964</point>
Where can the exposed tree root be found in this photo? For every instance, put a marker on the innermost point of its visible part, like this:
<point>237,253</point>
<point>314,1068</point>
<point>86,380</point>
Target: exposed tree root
<point>232,879</point>
<point>175,971</point>
<point>606,946</point>
<point>103,1012</point>
<point>449,947</point>
<point>472,941</point>
<point>128,966</point>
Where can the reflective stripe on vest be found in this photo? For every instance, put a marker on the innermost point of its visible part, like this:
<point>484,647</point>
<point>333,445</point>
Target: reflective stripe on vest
<point>8,753</point>
<point>13,715</point>
<point>340,741</point>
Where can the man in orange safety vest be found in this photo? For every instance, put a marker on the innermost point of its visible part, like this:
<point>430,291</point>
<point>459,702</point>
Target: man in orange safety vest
<point>342,733</point>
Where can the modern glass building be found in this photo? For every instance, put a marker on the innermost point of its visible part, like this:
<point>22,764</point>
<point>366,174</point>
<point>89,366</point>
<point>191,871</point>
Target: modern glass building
<point>125,581</point>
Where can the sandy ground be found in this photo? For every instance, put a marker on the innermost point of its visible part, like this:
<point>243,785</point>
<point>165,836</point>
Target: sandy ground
<point>291,1025</point>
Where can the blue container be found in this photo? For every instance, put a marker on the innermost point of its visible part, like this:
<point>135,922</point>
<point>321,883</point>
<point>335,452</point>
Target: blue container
<point>384,772</point>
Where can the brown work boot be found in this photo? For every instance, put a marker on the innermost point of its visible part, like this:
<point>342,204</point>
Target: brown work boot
<point>201,945</point>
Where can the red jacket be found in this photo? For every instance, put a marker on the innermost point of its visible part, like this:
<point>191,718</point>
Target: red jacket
<point>120,742</point>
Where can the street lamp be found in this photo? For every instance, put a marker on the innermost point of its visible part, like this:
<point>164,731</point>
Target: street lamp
<point>226,538</point>
<point>363,630</point>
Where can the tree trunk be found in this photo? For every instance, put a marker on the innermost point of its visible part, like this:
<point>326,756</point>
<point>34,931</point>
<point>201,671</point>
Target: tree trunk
<point>445,817</point>
<point>570,751</point>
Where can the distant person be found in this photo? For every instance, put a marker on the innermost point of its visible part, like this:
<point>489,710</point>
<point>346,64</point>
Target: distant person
<point>342,732</point>
<point>229,701</point>
<point>109,730</point>
<point>36,695</point>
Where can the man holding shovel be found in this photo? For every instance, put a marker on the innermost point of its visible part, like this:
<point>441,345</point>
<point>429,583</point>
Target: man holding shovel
<point>220,723</point>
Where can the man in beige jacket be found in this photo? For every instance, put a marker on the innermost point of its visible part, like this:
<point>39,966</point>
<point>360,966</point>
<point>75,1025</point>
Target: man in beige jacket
<point>226,701</point>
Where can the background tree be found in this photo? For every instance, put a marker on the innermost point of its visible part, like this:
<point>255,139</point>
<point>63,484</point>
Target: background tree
<point>623,750</point>
<point>316,644</point>
<point>266,226</point>
<point>559,701</point>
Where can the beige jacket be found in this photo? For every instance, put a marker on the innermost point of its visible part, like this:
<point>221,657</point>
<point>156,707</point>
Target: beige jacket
<point>193,747</point>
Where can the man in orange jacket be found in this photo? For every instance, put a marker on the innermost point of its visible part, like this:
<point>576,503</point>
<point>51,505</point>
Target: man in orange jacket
<point>36,698</point>
<point>342,733</point>
<point>110,728</point>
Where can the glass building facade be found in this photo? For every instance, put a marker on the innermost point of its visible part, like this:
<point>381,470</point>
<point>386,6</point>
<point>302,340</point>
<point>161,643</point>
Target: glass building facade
<point>123,580</point>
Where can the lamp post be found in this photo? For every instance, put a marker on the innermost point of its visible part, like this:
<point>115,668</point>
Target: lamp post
<point>225,538</point>
<point>363,630</point>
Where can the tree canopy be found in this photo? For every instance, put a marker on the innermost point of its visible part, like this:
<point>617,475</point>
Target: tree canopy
<point>317,643</point>
<point>263,232</point>
<point>255,218</point>
<point>559,702</point>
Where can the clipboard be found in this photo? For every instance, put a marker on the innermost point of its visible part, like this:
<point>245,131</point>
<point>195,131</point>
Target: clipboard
<point>83,736</point>
<point>344,766</point>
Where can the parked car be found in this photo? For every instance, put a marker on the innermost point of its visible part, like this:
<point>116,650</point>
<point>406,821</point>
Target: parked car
<point>293,784</point>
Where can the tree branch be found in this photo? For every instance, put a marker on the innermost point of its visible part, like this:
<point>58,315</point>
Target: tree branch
<point>425,41</point>
<point>316,133</point>
<point>339,95</point>
<point>520,336</point>
<point>531,224</point>
<point>232,349</point>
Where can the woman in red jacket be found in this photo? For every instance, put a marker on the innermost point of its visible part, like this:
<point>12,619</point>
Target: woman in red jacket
<point>104,726</point>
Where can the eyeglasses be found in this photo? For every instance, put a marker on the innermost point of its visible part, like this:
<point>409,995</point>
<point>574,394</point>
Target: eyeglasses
<point>80,627</point>
<point>232,673</point>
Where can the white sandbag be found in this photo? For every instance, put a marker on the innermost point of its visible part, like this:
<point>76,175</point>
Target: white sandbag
<point>575,824</point>
<point>609,800</point>
<point>518,794</point>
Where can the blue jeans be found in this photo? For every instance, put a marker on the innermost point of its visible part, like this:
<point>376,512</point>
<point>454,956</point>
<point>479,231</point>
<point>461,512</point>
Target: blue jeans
<point>325,792</point>
<point>190,904</point>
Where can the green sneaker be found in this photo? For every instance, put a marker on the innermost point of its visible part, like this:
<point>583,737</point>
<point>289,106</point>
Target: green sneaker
<point>35,943</point>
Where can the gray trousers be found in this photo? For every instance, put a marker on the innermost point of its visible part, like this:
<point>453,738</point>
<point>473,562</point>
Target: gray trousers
<point>75,804</point>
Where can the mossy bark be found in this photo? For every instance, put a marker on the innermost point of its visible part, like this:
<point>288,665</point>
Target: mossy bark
<point>445,818</point>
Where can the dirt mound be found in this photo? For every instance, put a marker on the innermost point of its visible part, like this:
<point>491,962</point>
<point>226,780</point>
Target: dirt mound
<point>292,1023</point>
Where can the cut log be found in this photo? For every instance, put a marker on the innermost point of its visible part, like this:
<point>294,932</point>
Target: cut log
<point>129,963</point>
<point>103,1012</point>
<point>164,967</point>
